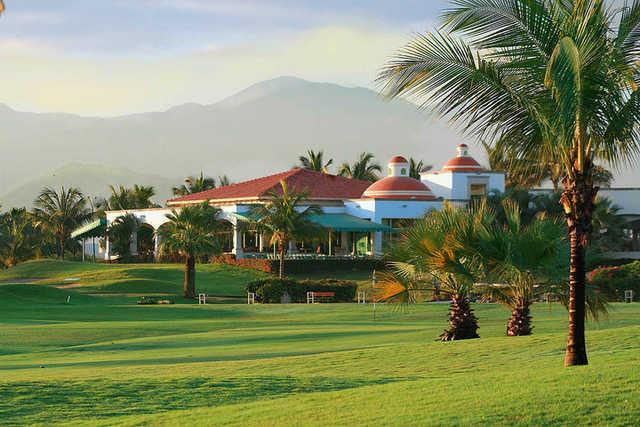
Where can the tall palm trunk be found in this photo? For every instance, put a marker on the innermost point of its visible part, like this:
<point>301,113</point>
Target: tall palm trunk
<point>190,277</point>
<point>281,254</point>
<point>520,322</point>
<point>62,248</point>
<point>463,324</point>
<point>578,200</point>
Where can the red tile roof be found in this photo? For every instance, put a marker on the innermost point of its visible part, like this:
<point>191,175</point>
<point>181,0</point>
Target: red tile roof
<point>399,187</point>
<point>320,186</point>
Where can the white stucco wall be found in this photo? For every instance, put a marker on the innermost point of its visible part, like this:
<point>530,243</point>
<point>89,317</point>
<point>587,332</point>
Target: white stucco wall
<point>455,185</point>
<point>377,210</point>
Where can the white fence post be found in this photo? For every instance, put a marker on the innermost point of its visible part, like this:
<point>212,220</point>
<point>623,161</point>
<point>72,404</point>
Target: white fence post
<point>251,298</point>
<point>202,299</point>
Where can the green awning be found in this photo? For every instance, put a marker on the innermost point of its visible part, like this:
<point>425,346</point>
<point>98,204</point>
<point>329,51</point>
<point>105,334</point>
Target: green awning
<point>335,222</point>
<point>345,222</point>
<point>96,228</point>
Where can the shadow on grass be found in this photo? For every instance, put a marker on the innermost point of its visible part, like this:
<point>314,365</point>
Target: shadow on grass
<point>51,402</point>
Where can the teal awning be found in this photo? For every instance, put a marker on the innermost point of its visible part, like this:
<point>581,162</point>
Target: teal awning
<point>96,228</point>
<point>345,222</point>
<point>335,222</point>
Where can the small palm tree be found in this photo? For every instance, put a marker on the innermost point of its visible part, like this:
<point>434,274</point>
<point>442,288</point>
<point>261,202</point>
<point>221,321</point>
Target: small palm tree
<point>554,80</point>
<point>285,218</point>
<point>521,259</point>
<point>364,168</point>
<point>315,161</point>
<point>136,197</point>
<point>191,233</point>
<point>120,232</point>
<point>440,247</point>
<point>416,167</point>
<point>223,181</point>
<point>19,237</point>
<point>194,184</point>
<point>60,212</point>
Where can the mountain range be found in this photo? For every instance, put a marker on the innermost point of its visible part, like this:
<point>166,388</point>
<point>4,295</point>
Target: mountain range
<point>260,130</point>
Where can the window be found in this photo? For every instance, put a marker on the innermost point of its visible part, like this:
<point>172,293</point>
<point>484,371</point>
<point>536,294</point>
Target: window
<point>403,171</point>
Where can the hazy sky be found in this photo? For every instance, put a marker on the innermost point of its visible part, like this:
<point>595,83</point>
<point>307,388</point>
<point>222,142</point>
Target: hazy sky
<point>108,57</point>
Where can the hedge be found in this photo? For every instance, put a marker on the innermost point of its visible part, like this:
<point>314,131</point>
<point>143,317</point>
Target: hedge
<point>613,281</point>
<point>272,290</point>
<point>304,266</point>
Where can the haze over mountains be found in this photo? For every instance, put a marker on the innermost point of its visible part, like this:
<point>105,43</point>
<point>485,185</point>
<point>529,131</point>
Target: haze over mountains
<point>258,131</point>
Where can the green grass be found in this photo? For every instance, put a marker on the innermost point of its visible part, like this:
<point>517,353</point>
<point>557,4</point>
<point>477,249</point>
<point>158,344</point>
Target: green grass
<point>106,361</point>
<point>135,279</point>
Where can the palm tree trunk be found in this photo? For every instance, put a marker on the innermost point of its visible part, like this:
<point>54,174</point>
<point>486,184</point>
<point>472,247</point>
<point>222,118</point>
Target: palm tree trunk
<point>576,353</point>
<point>62,248</point>
<point>463,324</point>
<point>520,322</point>
<point>578,202</point>
<point>281,253</point>
<point>190,277</point>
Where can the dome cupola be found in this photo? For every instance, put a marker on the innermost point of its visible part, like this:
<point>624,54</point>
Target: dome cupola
<point>463,162</point>
<point>398,184</point>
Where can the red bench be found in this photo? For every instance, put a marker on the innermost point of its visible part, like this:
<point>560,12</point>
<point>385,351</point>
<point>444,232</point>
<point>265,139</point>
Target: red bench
<point>313,297</point>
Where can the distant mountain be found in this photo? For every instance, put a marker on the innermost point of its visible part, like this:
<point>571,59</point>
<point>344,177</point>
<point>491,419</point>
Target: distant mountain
<point>93,180</point>
<point>260,130</point>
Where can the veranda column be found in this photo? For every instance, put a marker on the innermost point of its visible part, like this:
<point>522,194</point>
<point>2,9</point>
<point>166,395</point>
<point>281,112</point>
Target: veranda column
<point>237,242</point>
<point>107,249</point>
<point>377,243</point>
<point>261,242</point>
<point>156,247</point>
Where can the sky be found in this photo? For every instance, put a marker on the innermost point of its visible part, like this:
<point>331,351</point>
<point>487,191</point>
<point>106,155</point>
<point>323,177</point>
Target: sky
<point>113,57</point>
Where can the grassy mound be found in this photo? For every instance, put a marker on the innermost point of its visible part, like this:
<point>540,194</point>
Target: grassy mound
<point>134,279</point>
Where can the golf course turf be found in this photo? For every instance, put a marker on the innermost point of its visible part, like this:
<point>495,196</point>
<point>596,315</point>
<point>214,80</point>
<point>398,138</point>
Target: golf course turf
<point>103,360</point>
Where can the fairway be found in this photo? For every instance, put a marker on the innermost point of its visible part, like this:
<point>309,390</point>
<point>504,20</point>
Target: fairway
<point>104,360</point>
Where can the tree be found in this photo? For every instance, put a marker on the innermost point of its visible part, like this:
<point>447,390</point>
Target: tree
<point>136,197</point>
<point>60,212</point>
<point>195,184</point>
<point>223,181</point>
<point>190,233</point>
<point>439,247</point>
<point>285,217</point>
<point>315,161</point>
<point>519,260</point>
<point>120,232</point>
<point>364,168</point>
<point>417,166</point>
<point>553,79</point>
<point>19,237</point>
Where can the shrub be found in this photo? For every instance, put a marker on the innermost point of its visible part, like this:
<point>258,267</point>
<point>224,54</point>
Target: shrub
<point>613,281</point>
<point>272,290</point>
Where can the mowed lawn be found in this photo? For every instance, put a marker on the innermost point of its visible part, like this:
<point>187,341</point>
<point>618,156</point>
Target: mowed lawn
<point>132,279</point>
<point>106,361</point>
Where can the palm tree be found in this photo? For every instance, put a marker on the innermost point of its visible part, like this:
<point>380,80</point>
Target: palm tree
<point>417,166</point>
<point>439,247</point>
<point>137,197</point>
<point>59,213</point>
<point>315,161</point>
<point>520,259</point>
<point>120,232</point>
<point>19,237</point>
<point>364,168</point>
<point>191,233</point>
<point>553,79</point>
<point>285,217</point>
<point>223,181</point>
<point>194,184</point>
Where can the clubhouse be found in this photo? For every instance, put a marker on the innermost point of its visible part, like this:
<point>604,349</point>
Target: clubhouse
<point>359,216</point>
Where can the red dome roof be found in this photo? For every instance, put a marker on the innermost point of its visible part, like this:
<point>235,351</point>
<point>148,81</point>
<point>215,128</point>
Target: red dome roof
<point>398,159</point>
<point>399,187</point>
<point>462,164</point>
